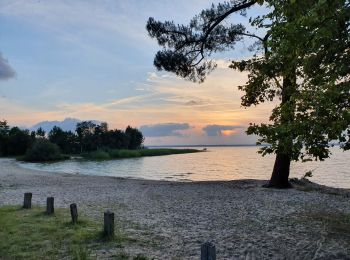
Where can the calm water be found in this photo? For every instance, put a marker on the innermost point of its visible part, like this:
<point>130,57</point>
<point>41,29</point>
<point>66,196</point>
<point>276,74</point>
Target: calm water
<point>218,163</point>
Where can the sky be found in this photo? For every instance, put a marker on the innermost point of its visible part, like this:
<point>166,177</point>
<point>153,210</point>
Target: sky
<point>94,60</point>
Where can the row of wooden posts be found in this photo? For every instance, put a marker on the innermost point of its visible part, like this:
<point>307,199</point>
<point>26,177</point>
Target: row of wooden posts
<point>208,250</point>
<point>108,227</point>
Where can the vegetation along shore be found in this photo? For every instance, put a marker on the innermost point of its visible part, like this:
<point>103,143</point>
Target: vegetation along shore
<point>90,141</point>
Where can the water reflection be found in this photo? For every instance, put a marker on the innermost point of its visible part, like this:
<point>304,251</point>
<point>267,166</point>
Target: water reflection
<point>218,163</point>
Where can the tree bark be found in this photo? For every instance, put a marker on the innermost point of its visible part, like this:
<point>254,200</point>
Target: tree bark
<point>280,173</point>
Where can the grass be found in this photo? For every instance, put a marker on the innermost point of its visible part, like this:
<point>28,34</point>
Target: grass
<point>109,154</point>
<point>329,228</point>
<point>337,224</point>
<point>124,153</point>
<point>307,186</point>
<point>31,234</point>
<point>61,157</point>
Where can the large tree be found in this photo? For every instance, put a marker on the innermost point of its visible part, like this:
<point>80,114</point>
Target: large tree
<point>301,58</point>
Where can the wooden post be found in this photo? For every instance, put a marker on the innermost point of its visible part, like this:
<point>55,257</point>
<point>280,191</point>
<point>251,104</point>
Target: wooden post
<point>27,202</point>
<point>74,213</point>
<point>208,251</point>
<point>250,253</point>
<point>108,229</point>
<point>50,205</point>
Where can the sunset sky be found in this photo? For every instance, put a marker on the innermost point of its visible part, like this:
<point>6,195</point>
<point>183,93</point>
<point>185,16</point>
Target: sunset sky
<point>94,60</point>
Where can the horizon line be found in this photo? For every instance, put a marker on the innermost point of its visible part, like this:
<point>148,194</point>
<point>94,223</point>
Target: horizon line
<point>202,145</point>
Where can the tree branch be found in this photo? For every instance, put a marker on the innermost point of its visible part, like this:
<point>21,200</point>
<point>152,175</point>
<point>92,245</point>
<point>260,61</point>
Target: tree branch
<point>223,17</point>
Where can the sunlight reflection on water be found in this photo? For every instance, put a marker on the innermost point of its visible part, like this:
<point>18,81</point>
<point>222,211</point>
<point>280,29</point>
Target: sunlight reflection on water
<point>218,163</point>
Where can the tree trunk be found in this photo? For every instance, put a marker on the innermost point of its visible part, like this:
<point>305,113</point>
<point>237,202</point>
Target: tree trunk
<point>280,173</point>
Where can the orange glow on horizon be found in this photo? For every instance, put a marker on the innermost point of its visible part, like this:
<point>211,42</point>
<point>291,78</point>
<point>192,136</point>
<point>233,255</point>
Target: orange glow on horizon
<point>228,132</point>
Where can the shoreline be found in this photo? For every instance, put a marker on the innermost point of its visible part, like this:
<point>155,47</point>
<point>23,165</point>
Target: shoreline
<point>296,183</point>
<point>171,219</point>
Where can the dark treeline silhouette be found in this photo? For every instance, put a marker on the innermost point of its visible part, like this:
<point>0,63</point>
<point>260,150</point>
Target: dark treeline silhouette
<point>88,137</point>
<point>14,141</point>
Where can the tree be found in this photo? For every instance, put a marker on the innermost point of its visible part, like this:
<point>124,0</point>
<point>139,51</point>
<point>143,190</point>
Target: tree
<point>99,132</point>
<point>135,138</point>
<point>66,141</point>
<point>85,131</point>
<point>89,137</point>
<point>301,57</point>
<point>4,131</point>
<point>4,128</point>
<point>43,150</point>
<point>115,139</point>
<point>18,141</point>
<point>40,133</point>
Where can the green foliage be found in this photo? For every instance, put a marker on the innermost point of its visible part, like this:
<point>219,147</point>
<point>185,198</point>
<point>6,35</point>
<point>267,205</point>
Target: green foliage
<point>13,141</point>
<point>166,151</point>
<point>135,138</point>
<point>42,151</point>
<point>301,58</point>
<point>40,133</point>
<point>89,137</point>
<point>97,155</point>
<point>92,137</point>
<point>307,174</point>
<point>4,130</point>
<point>31,234</point>
<point>125,153</point>
<point>336,223</point>
<point>18,141</point>
<point>66,141</point>
<point>186,47</point>
<point>313,47</point>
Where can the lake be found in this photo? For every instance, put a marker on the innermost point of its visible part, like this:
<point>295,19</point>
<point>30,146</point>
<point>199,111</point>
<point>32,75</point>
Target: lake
<point>217,163</point>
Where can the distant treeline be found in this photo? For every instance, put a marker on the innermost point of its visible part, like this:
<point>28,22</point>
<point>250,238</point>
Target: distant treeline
<point>87,137</point>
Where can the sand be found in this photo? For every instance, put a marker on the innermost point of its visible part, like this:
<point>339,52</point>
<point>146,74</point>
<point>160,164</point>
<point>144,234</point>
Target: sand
<point>170,220</point>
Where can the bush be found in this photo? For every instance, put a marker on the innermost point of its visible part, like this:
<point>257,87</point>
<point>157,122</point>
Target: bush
<point>166,151</point>
<point>42,151</point>
<point>123,153</point>
<point>97,155</point>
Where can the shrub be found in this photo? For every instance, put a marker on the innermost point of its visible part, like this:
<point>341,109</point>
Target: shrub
<point>124,153</point>
<point>97,155</point>
<point>42,151</point>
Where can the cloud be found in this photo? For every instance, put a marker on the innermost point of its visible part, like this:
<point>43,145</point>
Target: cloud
<point>161,130</point>
<point>221,130</point>
<point>167,99</point>
<point>99,18</point>
<point>68,124</point>
<point>193,103</point>
<point>6,72</point>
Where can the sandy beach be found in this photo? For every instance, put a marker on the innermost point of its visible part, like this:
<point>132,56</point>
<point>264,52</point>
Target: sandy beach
<point>170,220</point>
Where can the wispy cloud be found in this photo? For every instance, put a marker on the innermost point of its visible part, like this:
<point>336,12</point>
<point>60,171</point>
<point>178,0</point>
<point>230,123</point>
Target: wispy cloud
<point>6,71</point>
<point>65,17</point>
<point>215,102</point>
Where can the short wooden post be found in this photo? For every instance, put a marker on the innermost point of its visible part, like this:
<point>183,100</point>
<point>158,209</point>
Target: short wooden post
<point>27,202</point>
<point>74,213</point>
<point>108,229</point>
<point>208,251</point>
<point>249,253</point>
<point>50,205</point>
